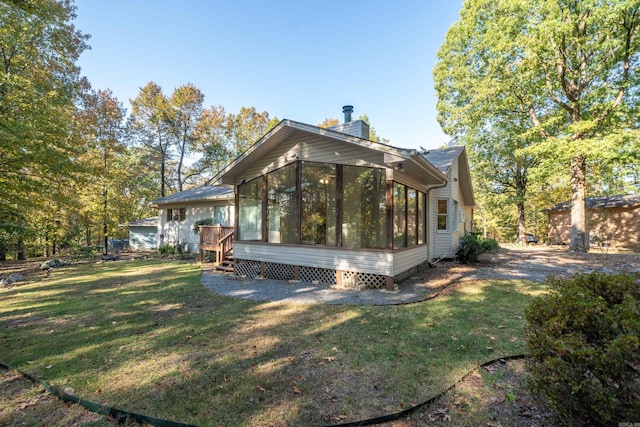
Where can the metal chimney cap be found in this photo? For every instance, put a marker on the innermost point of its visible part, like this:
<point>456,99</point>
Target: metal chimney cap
<point>347,110</point>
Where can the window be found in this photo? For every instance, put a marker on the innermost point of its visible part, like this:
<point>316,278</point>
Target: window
<point>363,211</point>
<point>443,214</point>
<point>176,214</point>
<point>399,215</point>
<point>281,205</point>
<point>250,210</point>
<point>421,220</point>
<point>412,217</point>
<point>454,216</point>
<point>222,215</point>
<point>318,204</point>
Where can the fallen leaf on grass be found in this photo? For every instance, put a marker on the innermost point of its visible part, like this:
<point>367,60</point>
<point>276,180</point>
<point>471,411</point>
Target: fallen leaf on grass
<point>297,389</point>
<point>260,388</point>
<point>440,413</point>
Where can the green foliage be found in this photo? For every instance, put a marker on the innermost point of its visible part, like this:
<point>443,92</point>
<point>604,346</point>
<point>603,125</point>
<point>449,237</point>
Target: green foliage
<point>197,224</point>
<point>180,248</point>
<point>521,82</point>
<point>584,339</point>
<point>167,250</point>
<point>471,246</point>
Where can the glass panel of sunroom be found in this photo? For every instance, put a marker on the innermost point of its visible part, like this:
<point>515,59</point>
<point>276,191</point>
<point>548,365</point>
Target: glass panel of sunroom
<point>363,213</point>
<point>250,210</point>
<point>318,204</point>
<point>421,217</point>
<point>281,205</point>
<point>412,216</point>
<point>399,215</point>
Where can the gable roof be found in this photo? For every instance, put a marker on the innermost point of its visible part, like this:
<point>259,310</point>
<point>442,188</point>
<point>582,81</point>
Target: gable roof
<point>411,160</point>
<point>197,194</point>
<point>617,201</point>
<point>145,222</point>
<point>443,159</point>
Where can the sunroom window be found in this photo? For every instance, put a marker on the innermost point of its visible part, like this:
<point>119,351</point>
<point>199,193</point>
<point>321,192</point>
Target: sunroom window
<point>250,210</point>
<point>281,205</point>
<point>318,204</point>
<point>363,216</point>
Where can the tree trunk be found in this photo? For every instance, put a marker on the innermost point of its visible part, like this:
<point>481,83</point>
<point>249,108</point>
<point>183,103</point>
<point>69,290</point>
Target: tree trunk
<point>521,230</point>
<point>579,233</point>
<point>105,239</point>
<point>21,253</point>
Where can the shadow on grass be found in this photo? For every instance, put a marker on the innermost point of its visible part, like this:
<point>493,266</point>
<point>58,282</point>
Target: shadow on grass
<point>146,337</point>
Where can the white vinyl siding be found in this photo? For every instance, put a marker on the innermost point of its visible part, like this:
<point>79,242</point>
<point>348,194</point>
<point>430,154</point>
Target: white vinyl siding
<point>315,149</point>
<point>406,259</point>
<point>360,260</point>
<point>174,232</point>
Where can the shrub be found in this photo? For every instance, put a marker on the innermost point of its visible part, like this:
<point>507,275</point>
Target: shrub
<point>584,341</point>
<point>198,223</point>
<point>471,246</point>
<point>167,250</point>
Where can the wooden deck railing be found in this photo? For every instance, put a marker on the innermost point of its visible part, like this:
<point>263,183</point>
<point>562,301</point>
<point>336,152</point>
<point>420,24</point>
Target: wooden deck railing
<point>218,238</point>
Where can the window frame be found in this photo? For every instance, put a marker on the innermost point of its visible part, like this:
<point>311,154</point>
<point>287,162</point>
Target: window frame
<point>381,200</point>
<point>176,214</point>
<point>444,215</point>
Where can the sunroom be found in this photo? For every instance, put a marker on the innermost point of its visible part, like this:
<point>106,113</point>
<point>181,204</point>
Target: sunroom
<point>321,205</point>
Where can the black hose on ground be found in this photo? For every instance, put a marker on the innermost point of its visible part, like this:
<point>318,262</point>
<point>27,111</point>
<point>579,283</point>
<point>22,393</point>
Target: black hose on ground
<point>122,416</point>
<point>393,417</point>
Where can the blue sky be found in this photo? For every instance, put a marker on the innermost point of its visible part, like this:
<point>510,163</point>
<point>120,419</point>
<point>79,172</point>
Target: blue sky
<point>300,60</point>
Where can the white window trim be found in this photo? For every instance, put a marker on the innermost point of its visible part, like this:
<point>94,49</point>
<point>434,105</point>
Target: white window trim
<point>448,229</point>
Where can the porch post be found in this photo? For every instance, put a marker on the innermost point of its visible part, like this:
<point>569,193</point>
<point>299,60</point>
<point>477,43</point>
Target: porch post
<point>390,286</point>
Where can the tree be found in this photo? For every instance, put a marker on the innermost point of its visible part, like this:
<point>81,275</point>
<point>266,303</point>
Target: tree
<point>39,83</point>
<point>103,129</point>
<point>186,102</point>
<point>571,67</point>
<point>223,136</point>
<point>149,120</point>
<point>329,122</point>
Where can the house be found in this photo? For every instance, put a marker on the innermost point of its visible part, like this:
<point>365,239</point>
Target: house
<point>143,234</point>
<point>452,204</point>
<point>612,220</point>
<point>329,205</point>
<point>179,212</point>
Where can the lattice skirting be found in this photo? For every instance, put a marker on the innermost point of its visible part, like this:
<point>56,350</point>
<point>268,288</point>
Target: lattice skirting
<point>321,275</point>
<point>247,268</point>
<point>399,278</point>
<point>349,279</point>
<point>359,281</point>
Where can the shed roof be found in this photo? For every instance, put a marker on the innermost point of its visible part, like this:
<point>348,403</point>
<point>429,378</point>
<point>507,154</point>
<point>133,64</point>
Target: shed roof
<point>146,222</point>
<point>197,194</point>
<point>617,201</point>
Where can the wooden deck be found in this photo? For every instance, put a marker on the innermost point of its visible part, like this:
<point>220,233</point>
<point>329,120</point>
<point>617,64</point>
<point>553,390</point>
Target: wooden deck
<point>218,238</point>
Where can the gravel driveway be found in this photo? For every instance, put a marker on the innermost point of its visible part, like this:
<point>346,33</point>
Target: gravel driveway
<point>511,263</point>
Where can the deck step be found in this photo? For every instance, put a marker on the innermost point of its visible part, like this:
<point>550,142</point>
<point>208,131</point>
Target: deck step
<point>226,265</point>
<point>227,268</point>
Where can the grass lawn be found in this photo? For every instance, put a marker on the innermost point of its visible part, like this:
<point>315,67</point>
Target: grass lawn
<point>144,336</point>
